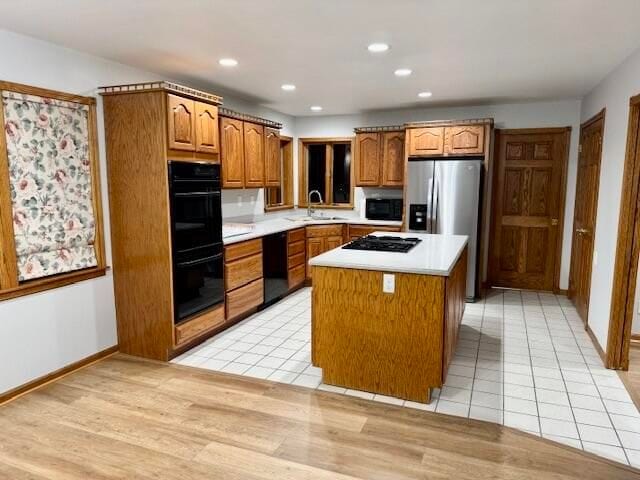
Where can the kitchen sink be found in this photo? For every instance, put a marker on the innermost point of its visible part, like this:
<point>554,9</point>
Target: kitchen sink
<point>314,218</point>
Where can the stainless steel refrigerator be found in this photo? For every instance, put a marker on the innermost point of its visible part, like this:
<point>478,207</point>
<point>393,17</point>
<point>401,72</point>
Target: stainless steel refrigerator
<point>444,198</point>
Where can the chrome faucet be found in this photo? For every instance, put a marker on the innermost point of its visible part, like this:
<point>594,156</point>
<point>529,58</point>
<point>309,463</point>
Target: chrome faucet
<point>311,211</point>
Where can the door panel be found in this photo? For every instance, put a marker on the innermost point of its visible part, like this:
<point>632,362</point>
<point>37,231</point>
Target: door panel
<point>181,123</point>
<point>315,246</point>
<point>584,221</point>
<point>253,155</point>
<point>206,128</point>
<point>527,207</point>
<point>464,140</point>
<point>272,167</point>
<point>392,159</point>
<point>232,145</point>
<point>426,141</point>
<point>367,159</point>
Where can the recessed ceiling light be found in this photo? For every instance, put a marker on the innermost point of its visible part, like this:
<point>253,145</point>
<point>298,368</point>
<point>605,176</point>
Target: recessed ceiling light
<point>424,94</point>
<point>402,72</point>
<point>316,108</point>
<point>288,87</point>
<point>378,47</point>
<point>228,62</point>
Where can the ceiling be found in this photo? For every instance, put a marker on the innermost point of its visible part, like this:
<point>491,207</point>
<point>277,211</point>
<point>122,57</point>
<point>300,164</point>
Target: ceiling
<point>464,51</point>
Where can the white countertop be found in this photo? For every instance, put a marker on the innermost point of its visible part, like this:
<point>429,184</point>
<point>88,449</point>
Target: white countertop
<point>434,255</point>
<point>266,225</point>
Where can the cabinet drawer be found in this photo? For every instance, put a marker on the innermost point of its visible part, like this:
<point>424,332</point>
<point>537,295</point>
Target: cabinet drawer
<point>243,271</point>
<point>242,249</point>
<point>245,298</point>
<point>324,231</point>
<point>295,248</point>
<point>295,235</point>
<point>192,328</point>
<point>357,231</point>
<point>297,275</point>
<point>295,260</point>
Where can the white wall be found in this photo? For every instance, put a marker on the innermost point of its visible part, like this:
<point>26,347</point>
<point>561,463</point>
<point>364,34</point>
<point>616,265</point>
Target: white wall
<point>526,115</point>
<point>613,93</point>
<point>44,332</point>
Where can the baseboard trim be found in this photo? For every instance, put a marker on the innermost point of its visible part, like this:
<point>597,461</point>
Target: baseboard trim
<point>561,291</point>
<point>50,377</point>
<point>603,356</point>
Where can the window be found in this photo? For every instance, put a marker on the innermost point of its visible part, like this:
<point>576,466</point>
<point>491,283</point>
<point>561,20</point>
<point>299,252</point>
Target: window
<point>324,164</point>
<point>50,213</point>
<point>281,198</point>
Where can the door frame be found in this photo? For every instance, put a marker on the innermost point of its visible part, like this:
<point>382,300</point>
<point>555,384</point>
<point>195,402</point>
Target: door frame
<point>562,197</point>
<point>627,250</point>
<point>598,116</point>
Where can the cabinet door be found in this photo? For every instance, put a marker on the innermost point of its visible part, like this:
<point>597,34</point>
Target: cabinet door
<point>272,170</point>
<point>315,246</point>
<point>426,141</point>
<point>464,140</point>
<point>232,158</point>
<point>206,128</point>
<point>253,155</point>
<point>181,123</point>
<point>392,159</point>
<point>367,158</point>
<point>333,242</point>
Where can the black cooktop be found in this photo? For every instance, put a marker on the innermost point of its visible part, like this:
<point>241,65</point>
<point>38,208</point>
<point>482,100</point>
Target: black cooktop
<point>383,244</point>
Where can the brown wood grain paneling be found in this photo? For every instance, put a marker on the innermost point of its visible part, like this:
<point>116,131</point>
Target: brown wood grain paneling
<point>207,137</point>
<point>8,258</point>
<point>295,260</point>
<point>357,231</point>
<point>585,212</point>
<point>136,141</point>
<point>272,166</point>
<point>392,159</point>
<point>455,291</point>
<point>242,271</point>
<point>464,140</point>
<point>295,248</point>
<point>426,141</point>
<point>188,330</point>
<point>181,124</point>
<point>244,299</point>
<point>368,159</point>
<point>253,155</point>
<point>232,152</point>
<point>242,249</point>
<point>295,235</point>
<point>528,208</point>
<point>324,231</point>
<point>358,331</point>
<point>297,275</point>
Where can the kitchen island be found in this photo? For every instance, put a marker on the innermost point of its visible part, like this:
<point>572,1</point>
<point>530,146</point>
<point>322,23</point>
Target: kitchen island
<point>387,322</point>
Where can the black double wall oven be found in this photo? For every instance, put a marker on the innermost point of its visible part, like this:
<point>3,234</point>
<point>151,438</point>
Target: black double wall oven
<point>196,231</point>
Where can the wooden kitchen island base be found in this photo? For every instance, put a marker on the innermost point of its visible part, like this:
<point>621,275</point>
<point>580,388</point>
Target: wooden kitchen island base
<point>397,344</point>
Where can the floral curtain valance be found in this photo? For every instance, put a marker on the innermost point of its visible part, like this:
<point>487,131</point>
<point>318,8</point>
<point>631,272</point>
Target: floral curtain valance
<point>50,175</point>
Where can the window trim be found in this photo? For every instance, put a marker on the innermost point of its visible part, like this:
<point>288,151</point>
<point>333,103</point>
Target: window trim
<point>10,287</point>
<point>303,173</point>
<point>286,181</point>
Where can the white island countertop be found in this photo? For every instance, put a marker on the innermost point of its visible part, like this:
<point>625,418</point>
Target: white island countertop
<point>434,255</point>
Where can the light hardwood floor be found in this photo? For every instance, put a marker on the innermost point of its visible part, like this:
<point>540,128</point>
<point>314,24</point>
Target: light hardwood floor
<point>135,419</point>
<point>631,378</point>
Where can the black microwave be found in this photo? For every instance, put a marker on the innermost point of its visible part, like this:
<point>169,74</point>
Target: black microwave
<point>384,209</point>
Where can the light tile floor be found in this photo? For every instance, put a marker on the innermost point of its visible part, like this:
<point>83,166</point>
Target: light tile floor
<point>523,360</point>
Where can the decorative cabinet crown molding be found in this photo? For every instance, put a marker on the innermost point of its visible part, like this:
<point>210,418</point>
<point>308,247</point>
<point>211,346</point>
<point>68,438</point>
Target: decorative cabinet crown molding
<point>161,86</point>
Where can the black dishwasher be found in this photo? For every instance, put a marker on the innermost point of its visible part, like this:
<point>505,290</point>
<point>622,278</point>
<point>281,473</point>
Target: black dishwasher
<point>274,267</point>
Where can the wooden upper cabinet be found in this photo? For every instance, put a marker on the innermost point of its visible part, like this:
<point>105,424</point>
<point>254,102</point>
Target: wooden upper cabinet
<point>392,159</point>
<point>253,155</point>
<point>181,123</point>
<point>464,140</point>
<point>232,152</point>
<point>207,128</point>
<point>272,170</point>
<point>426,141</point>
<point>367,158</point>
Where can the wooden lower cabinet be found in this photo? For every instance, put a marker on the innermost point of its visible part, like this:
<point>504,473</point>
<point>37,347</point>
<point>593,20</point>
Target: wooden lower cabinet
<point>244,299</point>
<point>191,329</point>
<point>357,231</point>
<point>296,257</point>
<point>322,238</point>
<point>242,271</point>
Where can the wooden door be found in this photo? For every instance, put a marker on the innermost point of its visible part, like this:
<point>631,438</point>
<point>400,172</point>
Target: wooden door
<point>392,159</point>
<point>232,152</point>
<point>181,123</point>
<point>253,155</point>
<point>528,204</point>
<point>207,128</point>
<point>367,158</point>
<point>426,141</point>
<point>333,242</point>
<point>315,246</point>
<point>272,167</point>
<point>464,140</point>
<point>584,217</point>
